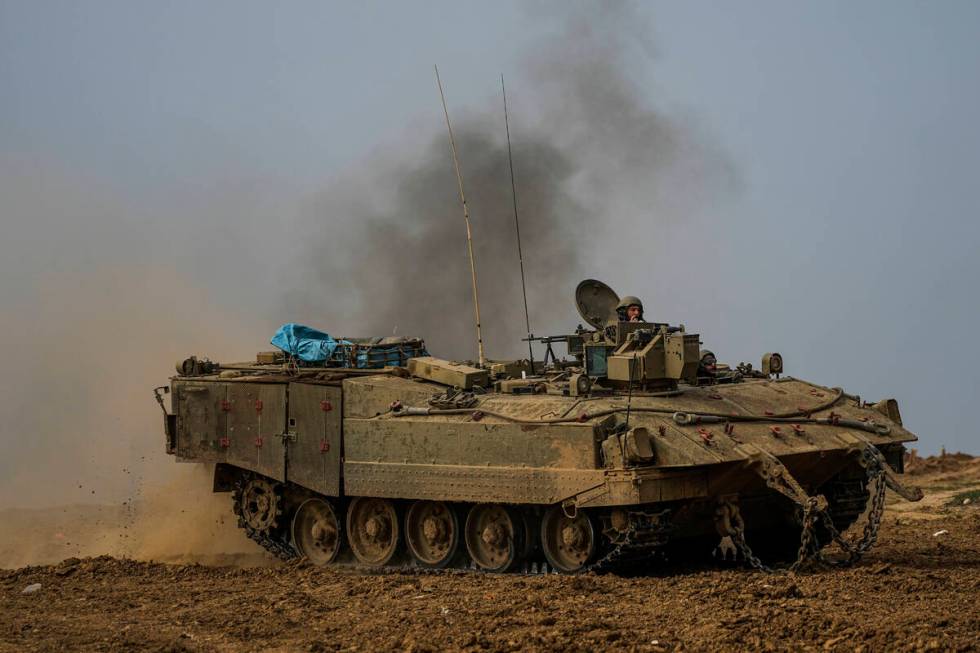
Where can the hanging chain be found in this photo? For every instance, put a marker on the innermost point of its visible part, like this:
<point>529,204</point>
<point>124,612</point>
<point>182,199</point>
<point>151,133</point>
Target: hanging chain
<point>855,550</point>
<point>812,511</point>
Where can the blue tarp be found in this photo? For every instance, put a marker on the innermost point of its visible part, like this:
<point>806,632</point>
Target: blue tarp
<point>318,348</point>
<point>305,343</point>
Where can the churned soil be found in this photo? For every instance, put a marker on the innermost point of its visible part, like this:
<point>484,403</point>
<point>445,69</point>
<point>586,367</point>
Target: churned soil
<point>917,590</point>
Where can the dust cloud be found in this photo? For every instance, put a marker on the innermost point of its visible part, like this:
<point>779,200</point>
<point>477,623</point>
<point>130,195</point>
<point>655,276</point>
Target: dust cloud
<point>81,427</point>
<point>177,520</point>
<point>588,150</point>
<point>93,318</point>
<point>183,521</point>
<point>82,424</point>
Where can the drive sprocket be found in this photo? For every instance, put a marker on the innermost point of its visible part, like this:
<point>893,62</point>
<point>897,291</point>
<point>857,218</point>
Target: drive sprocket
<point>258,504</point>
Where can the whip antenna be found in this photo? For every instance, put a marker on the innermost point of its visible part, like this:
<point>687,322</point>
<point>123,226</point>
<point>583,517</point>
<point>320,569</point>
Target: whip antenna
<point>629,400</point>
<point>466,219</point>
<point>517,226</point>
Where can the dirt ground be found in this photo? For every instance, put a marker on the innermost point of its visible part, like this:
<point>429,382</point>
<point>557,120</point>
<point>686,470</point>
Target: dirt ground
<point>918,590</point>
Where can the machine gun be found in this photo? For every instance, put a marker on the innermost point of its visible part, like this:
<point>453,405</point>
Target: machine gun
<point>574,343</point>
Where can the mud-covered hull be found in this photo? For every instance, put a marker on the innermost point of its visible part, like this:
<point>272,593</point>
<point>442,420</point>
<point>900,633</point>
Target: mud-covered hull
<point>457,457</point>
<point>318,462</point>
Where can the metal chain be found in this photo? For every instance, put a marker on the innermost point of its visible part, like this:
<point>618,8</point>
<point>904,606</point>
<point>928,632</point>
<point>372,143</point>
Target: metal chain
<point>869,537</point>
<point>645,534</point>
<point>743,546</point>
<point>809,545</point>
<point>807,540</point>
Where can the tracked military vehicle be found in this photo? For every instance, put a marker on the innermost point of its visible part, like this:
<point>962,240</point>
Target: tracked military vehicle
<point>635,447</point>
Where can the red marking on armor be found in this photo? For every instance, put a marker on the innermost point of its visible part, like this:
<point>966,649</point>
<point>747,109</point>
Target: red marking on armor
<point>258,442</point>
<point>324,446</point>
<point>706,435</point>
<point>326,406</point>
<point>225,405</point>
<point>258,405</point>
<point>224,442</point>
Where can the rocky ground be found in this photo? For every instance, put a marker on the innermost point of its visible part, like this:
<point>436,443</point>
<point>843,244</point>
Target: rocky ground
<point>917,590</point>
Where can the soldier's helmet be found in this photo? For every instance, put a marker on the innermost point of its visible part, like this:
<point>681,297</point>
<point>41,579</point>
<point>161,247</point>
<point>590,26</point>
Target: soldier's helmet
<point>626,302</point>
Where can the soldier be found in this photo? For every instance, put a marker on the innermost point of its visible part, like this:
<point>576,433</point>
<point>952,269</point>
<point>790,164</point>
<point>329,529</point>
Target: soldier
<point>630,309</point>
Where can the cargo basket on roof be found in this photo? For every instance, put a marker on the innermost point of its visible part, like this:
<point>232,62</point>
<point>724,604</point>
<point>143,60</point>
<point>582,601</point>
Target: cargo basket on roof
<point>366,353</point>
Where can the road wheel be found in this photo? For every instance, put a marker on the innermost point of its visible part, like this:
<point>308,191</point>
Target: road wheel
<point>373,530</point>
<point>569,543</point>
<point>316,532</point>
<point>494,537</point>
<point>432,533</point>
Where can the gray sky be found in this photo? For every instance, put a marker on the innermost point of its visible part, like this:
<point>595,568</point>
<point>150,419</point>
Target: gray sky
<point>164,168</point>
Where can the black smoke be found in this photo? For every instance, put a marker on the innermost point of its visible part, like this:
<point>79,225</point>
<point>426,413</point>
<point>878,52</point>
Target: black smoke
<point>589,148</point>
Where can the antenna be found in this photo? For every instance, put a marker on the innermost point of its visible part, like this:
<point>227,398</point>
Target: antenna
<point>466,219</point>
<point>517,226</point>
<point>629,400</point>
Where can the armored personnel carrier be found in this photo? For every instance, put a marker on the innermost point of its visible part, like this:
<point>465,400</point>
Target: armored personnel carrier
<point>635,447</point>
